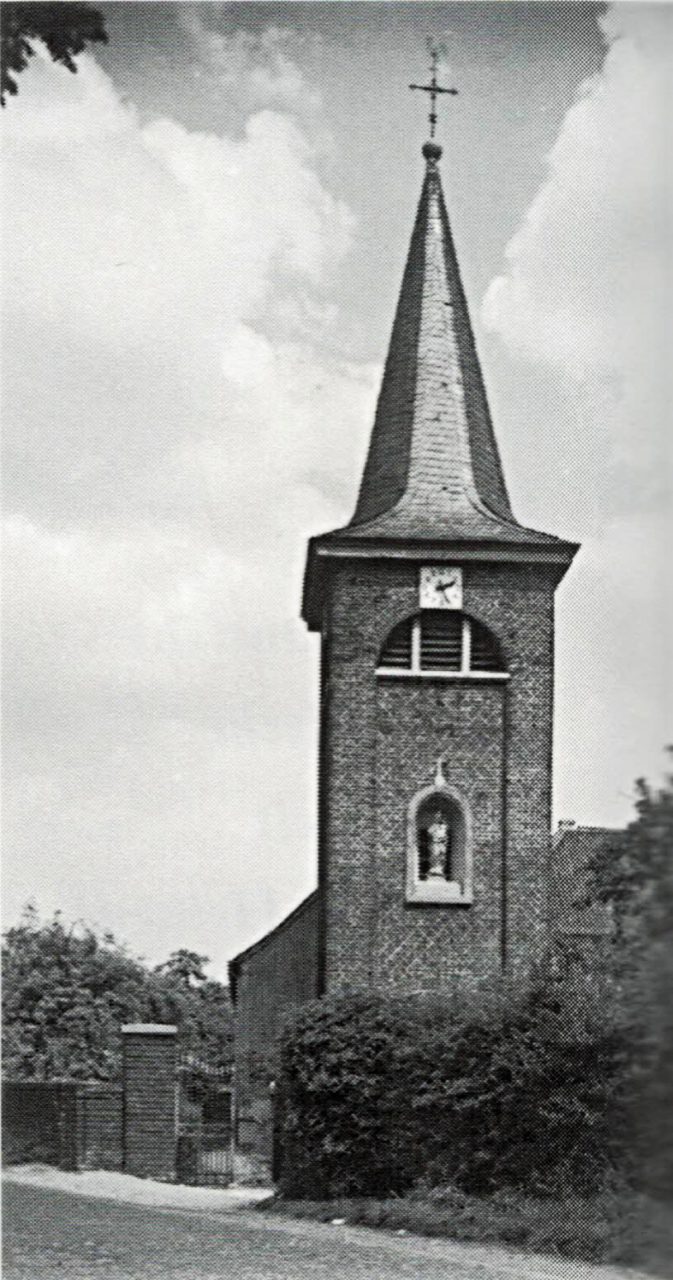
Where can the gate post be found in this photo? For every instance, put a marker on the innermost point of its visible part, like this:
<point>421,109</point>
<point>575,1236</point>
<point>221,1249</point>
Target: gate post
<point>149,1064</point>
<point>276,1131</point>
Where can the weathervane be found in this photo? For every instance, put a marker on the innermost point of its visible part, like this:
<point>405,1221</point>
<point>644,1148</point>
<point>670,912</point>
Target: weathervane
<point>433,88</point>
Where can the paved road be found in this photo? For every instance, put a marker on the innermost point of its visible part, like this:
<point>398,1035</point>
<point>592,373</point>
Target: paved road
<point>52,1235</point>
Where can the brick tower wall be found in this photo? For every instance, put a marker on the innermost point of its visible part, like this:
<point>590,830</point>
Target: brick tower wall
<point>381,740</point>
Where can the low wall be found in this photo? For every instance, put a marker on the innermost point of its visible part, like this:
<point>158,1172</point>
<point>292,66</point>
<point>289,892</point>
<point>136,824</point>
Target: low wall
<point>100,1133</point>
<point>98,1124</point>
<point>73,1124</point>
<point>39,1122</point>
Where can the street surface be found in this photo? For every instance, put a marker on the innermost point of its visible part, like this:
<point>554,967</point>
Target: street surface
<point>54,1235</point>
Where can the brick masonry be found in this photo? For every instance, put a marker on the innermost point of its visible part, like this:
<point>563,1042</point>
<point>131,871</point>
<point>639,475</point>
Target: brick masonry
<point>381,739</point>
<point>150,1099</point>
<point>432,489</point>
<point>272,976</point>
<point>100,1125</point>
<point>73,1124</point>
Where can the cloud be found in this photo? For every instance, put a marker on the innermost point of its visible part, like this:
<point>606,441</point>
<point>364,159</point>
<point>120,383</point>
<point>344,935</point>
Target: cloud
<point>138,253</point>
<point>111,620</point>
<point>256,69</point>
<point>588,274</point>
<point>585,294</point>
<point>175,424</point>
<point>152,207</point>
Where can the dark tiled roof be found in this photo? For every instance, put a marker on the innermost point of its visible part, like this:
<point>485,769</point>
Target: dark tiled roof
<point>574,909</point>
<point>433,468</point>
<point>307,904</point>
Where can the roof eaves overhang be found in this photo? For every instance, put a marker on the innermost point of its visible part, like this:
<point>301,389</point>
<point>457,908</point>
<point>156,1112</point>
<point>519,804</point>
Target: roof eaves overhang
<point>326,547</point>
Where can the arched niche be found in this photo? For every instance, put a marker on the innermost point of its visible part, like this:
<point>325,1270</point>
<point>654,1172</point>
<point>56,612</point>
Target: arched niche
<point>439,846</point>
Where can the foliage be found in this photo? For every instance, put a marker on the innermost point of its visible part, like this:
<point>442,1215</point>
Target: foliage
<point>640,887</point>
<point>637,881</point>
<point>377,1092</point>
<point>554,1093</point>
<point>187,967</point>
<point>65,29</point>
<point>67,993</point>
<point>613,1226</point>
<point>636,877</point>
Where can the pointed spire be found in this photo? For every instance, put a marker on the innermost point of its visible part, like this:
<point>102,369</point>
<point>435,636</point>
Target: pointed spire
<point>433,477</point>
<point>433,467</point>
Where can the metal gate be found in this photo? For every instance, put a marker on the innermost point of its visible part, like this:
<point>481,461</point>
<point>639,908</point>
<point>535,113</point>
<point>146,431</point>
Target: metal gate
<point>205,1157</point>
<point>205,1129</point>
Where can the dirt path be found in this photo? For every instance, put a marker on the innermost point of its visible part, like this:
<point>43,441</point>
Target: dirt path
<point>53,1235</point>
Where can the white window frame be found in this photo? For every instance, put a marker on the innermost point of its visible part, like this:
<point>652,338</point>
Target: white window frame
<point>415,672</point>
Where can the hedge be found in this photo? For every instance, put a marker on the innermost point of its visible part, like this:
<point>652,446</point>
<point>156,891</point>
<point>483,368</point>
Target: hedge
<point>376,1093</point>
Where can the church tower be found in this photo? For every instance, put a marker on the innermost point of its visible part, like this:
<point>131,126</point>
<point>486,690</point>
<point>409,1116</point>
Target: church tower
<point>436,614</point>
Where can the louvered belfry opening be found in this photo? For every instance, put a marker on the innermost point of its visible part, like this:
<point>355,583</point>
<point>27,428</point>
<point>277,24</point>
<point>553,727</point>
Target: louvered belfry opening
<point>441,640</point>
<point>484,650</point>
<point>396,652</point>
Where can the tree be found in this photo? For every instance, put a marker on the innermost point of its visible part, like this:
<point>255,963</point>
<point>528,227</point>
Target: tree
<point>65,29</point>
<point>185,966</point>
<point>636,879</point>
<point>67,993</point>
<point>200,1006</point>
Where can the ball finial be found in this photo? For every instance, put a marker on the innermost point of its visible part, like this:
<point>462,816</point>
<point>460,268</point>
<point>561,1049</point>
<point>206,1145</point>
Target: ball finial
<point>432,152</point>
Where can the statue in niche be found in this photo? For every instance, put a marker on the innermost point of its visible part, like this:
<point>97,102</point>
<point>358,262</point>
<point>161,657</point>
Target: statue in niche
<point>438,854</point>
<point>438,846</point>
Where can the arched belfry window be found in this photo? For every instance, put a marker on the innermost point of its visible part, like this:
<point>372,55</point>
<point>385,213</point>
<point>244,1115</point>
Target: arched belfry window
<point>442,642</point>
<point>439,852</point>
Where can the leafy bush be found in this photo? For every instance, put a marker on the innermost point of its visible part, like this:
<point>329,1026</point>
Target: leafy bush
<point>376,1093</point>
<point>550,1095</point>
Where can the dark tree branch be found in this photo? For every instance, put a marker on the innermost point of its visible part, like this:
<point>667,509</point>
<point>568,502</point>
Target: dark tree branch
<point>65,29</point>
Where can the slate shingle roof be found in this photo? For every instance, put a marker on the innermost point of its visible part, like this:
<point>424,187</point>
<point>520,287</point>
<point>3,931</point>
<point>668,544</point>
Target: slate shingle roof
<point>433,476</point>
<point>433,468</point>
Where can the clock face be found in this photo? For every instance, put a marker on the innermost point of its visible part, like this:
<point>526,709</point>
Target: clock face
<point>441,587</point>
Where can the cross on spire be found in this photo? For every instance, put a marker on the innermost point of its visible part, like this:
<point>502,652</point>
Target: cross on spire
<point>433,88</point>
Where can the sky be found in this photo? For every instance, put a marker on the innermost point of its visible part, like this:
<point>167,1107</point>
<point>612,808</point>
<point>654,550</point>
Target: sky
<point>204,236</point>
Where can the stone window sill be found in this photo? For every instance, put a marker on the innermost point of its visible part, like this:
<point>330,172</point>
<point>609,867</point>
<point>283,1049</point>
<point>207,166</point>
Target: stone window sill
<point>443,893</point>
<point>400,673</point>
